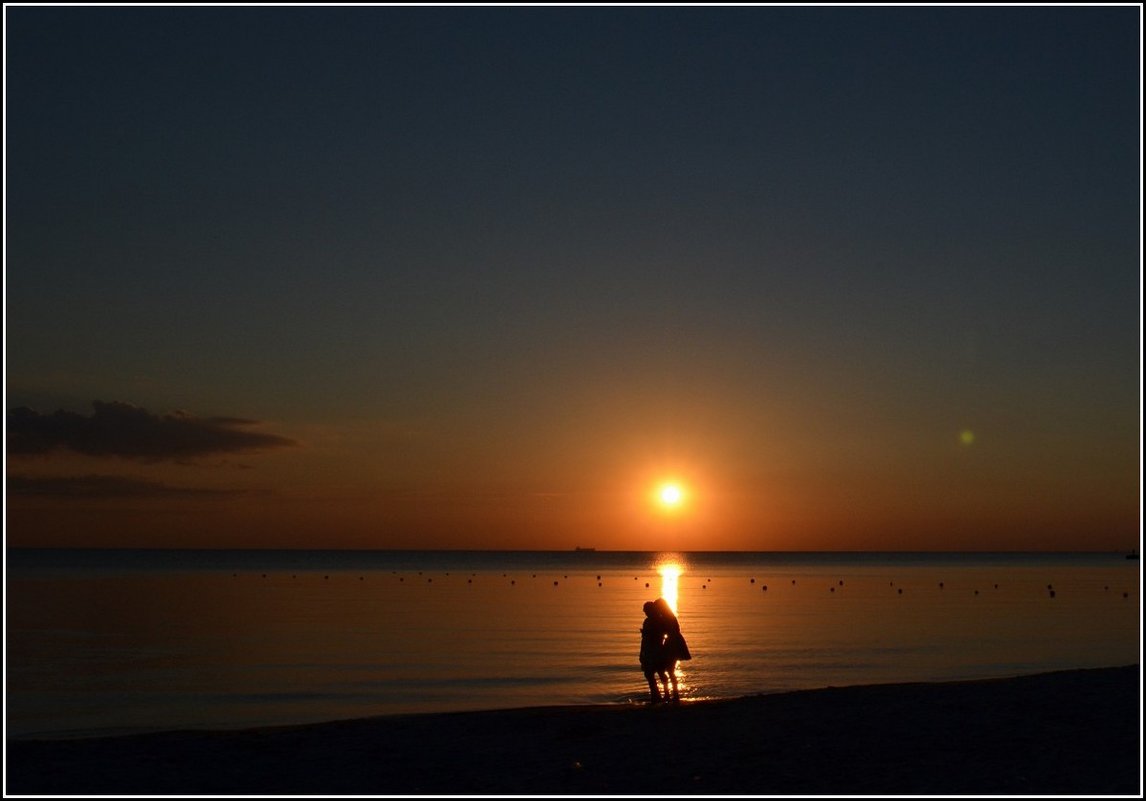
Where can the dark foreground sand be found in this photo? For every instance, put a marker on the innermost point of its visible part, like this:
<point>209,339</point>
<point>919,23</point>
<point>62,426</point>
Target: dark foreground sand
<point>1068,733</point>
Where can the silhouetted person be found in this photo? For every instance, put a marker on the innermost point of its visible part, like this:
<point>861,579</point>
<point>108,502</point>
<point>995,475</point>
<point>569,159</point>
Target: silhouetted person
<point>662,645</point>
<point>652,651</point>
<point>675,648</point>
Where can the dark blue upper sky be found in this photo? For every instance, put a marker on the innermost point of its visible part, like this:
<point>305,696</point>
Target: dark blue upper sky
<point>752,225</point>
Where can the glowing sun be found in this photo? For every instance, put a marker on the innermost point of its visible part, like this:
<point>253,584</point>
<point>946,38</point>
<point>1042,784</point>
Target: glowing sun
<point>671,495</point>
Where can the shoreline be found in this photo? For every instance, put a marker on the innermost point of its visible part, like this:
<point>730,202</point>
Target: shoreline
<point>1061,733</point>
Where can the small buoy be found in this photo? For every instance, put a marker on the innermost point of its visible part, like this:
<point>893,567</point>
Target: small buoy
<point>555,584</point>
<point>764,588</point>
<point>646,585</point>
<point>900,590</point>
<point>751,581</point>
<point>831,589</point>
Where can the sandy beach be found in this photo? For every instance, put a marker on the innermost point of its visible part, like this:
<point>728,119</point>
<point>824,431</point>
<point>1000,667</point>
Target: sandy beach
<point>1065,733</point>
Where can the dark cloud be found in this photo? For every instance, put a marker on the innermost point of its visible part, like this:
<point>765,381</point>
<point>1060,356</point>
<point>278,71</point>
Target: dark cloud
<point>120,429</point>
<point>103,487</point>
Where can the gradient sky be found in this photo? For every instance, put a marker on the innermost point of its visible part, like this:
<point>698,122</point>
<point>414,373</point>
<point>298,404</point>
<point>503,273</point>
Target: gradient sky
<point>375,277</point>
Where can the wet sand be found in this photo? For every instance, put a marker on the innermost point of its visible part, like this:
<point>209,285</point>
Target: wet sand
<point>1067,733</point>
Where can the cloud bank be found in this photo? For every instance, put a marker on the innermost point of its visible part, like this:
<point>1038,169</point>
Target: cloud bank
<point>122,430</point>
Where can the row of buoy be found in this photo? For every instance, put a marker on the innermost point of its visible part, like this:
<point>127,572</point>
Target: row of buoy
<point>764,587</point>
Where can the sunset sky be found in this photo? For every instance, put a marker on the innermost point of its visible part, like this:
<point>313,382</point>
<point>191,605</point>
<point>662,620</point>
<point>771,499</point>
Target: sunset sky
<point>378,277</point>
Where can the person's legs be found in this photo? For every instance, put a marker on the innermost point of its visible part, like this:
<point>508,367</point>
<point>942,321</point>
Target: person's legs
<point>654,693</point>
<point>675,688</point>
<point>665,683</point>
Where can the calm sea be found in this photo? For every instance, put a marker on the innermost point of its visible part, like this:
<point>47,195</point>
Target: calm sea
<point>114,641</point>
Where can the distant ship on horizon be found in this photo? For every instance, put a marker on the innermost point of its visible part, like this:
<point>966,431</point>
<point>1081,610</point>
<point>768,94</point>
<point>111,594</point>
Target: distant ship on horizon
<point>580,548</point>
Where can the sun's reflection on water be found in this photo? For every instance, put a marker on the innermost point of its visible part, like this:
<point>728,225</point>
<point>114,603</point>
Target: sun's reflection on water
<point>670,583</point>
<point>670,567</point>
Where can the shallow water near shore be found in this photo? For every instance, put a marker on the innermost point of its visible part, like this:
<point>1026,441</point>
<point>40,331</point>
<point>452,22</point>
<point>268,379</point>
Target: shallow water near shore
<point>111,641</point>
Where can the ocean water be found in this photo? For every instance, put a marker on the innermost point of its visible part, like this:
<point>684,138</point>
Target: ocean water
<point>115,641</point>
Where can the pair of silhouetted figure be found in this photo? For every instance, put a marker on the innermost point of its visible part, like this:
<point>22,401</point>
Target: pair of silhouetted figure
<point>662,646</point>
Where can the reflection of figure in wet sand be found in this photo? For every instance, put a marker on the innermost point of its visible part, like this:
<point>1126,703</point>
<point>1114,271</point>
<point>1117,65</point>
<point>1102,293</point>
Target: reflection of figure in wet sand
<point>662,646</point>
